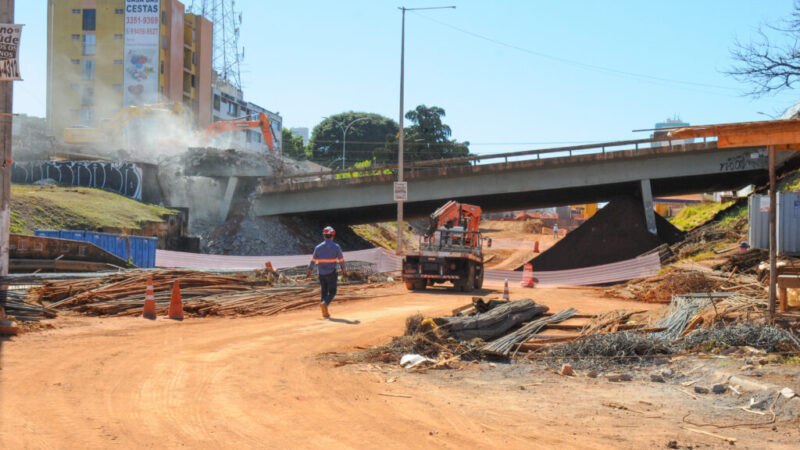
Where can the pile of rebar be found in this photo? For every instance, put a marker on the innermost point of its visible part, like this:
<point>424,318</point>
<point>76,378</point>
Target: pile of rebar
<point>503,345</point>
<point>202,293</point>
<point>15,306</point>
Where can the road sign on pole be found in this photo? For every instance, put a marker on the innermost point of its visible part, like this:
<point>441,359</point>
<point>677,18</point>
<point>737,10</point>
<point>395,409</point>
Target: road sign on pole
<point>400,191</point>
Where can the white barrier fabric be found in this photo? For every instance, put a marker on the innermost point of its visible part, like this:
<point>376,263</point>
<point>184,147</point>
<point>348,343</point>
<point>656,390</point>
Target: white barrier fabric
<point>387,261</point>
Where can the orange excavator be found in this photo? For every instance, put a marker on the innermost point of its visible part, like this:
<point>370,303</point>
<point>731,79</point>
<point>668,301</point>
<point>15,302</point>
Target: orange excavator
<point>450,250</point>
<point>243,123</point>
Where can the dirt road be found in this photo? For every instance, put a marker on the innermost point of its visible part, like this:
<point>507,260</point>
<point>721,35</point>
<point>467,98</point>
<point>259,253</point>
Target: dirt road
<point>260,383</point>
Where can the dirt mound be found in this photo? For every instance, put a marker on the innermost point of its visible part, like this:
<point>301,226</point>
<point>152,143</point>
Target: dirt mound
<point>615,233</point>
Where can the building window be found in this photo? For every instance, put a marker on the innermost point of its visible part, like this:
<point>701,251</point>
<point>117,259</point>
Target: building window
<point>118,61</point>
<point>192,80</point>
<point>216,102</point>
<point>89,22</point>
<point>232,108</point>
<point>117,87</point>
<point>162,67</point>
<point>194,58</point>
<point>76,37</point>
<point>88,69</point>
<point>118,36</point>
<point>76,11</point>
<point>119,11</point>
<point>89,44</point>
<point>163,18</point>
<point>73,86</point>
<point>76,61</point>
<point>87,96</point>
<point>87,117</point>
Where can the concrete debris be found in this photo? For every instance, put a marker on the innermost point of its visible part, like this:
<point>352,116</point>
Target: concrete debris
<point>656,378</point>
<point>567,370</point>
<point>719,389</point>
<point>620,377</point>
<point>700,390</point>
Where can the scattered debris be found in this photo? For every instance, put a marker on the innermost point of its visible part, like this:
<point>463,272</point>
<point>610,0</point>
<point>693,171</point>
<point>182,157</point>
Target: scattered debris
<point>566,370</point>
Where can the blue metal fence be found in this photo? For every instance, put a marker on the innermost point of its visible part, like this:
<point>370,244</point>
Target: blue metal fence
<point>138,250</point>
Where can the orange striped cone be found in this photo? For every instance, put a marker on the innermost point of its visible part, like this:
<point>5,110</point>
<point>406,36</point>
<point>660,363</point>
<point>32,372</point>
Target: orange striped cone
<point>527,276</point>
<point>149,311</point>
<point>536,247</point>
<point>175,304</point>
<point>506,296</point>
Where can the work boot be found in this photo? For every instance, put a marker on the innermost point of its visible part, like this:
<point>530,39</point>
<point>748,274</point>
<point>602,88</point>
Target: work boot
<point>324,310</point>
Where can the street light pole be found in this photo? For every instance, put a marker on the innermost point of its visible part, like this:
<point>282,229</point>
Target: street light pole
<point>402,131</point>
<point>344,140</point>
<point>344,135</point>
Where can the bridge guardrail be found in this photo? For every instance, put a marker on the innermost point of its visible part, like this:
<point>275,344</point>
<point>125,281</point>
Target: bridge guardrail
<point>601,148</point>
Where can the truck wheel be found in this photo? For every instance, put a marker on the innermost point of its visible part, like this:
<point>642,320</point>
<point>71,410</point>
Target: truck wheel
<point>420,285</point>
<point>469,284</point>
<point>410,285</point>
<point>479,278</point>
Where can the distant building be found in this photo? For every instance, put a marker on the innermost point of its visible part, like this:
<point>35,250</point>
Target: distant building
<point>302,132</point>
<point>104,55</point>
<point>228,104</point>
<point>669,123</point>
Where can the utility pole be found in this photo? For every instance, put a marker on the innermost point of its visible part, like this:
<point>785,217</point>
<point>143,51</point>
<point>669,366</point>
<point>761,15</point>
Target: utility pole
<point>6,109</point>
<point>402,131</point>
<point>773,236</point>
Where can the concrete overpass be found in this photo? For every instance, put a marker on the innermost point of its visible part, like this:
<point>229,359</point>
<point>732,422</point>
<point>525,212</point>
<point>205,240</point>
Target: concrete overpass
<point>522,180</point>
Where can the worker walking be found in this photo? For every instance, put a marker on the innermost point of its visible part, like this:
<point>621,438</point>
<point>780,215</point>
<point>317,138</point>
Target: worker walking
<point>555,231</point>
<point>325,256</point>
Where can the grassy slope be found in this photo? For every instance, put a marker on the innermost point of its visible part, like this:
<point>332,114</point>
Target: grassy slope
<point>695,215</point>
<point>76,208</point>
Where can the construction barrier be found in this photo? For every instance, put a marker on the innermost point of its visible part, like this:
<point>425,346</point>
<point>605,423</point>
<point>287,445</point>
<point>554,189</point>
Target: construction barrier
<point>387,261</point>
<point>506,294</point>
<point>138,250</point>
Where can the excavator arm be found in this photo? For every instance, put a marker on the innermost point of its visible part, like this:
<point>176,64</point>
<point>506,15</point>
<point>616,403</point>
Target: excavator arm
<point>230,125</point>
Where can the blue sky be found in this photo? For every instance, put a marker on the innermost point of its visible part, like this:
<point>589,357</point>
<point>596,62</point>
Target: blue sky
<point>309,59</point>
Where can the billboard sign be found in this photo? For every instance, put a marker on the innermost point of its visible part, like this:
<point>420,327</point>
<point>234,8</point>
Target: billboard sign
<point>9,51</point>
<point>141,65</point>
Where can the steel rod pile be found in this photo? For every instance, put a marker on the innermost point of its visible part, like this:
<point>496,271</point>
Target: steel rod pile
<point>203,293</point>
<point>15,306</point>
<point>503,345</point>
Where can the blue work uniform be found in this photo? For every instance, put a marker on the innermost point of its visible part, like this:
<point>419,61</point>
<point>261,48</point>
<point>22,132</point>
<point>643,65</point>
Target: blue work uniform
<point>325,256</point>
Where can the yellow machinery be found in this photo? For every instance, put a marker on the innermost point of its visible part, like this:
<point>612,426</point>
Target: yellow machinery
<point>110,130</point>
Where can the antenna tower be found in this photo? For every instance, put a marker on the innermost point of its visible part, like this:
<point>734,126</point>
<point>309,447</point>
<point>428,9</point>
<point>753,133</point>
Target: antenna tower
<point>227,20</point>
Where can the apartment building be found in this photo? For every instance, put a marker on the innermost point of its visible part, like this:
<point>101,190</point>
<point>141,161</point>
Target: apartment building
<point>105,55</point>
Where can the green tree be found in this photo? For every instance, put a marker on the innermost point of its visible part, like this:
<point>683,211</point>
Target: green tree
<point>428,137</point>
<point>292,146</point>
<point>366,139</point>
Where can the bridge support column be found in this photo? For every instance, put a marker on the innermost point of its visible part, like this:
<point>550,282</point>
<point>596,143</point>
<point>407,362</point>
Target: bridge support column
<point>649,211</point>
<point>233,182</point>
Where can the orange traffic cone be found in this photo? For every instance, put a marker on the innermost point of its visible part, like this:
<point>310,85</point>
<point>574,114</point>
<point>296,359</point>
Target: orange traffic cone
<point>536,247</point>
<point>175,304</point>
<point>527,276</point>
<point>505,291</point>
<point>149,311</point>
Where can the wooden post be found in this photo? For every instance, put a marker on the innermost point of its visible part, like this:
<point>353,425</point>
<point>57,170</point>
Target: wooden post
<point>6,107</point>
<point>773,236</point>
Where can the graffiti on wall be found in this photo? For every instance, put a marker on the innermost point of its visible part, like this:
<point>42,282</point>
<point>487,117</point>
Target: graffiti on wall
<point>123,178</point>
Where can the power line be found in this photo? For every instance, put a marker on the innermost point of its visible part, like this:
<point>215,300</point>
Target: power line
<point>650,78</point>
